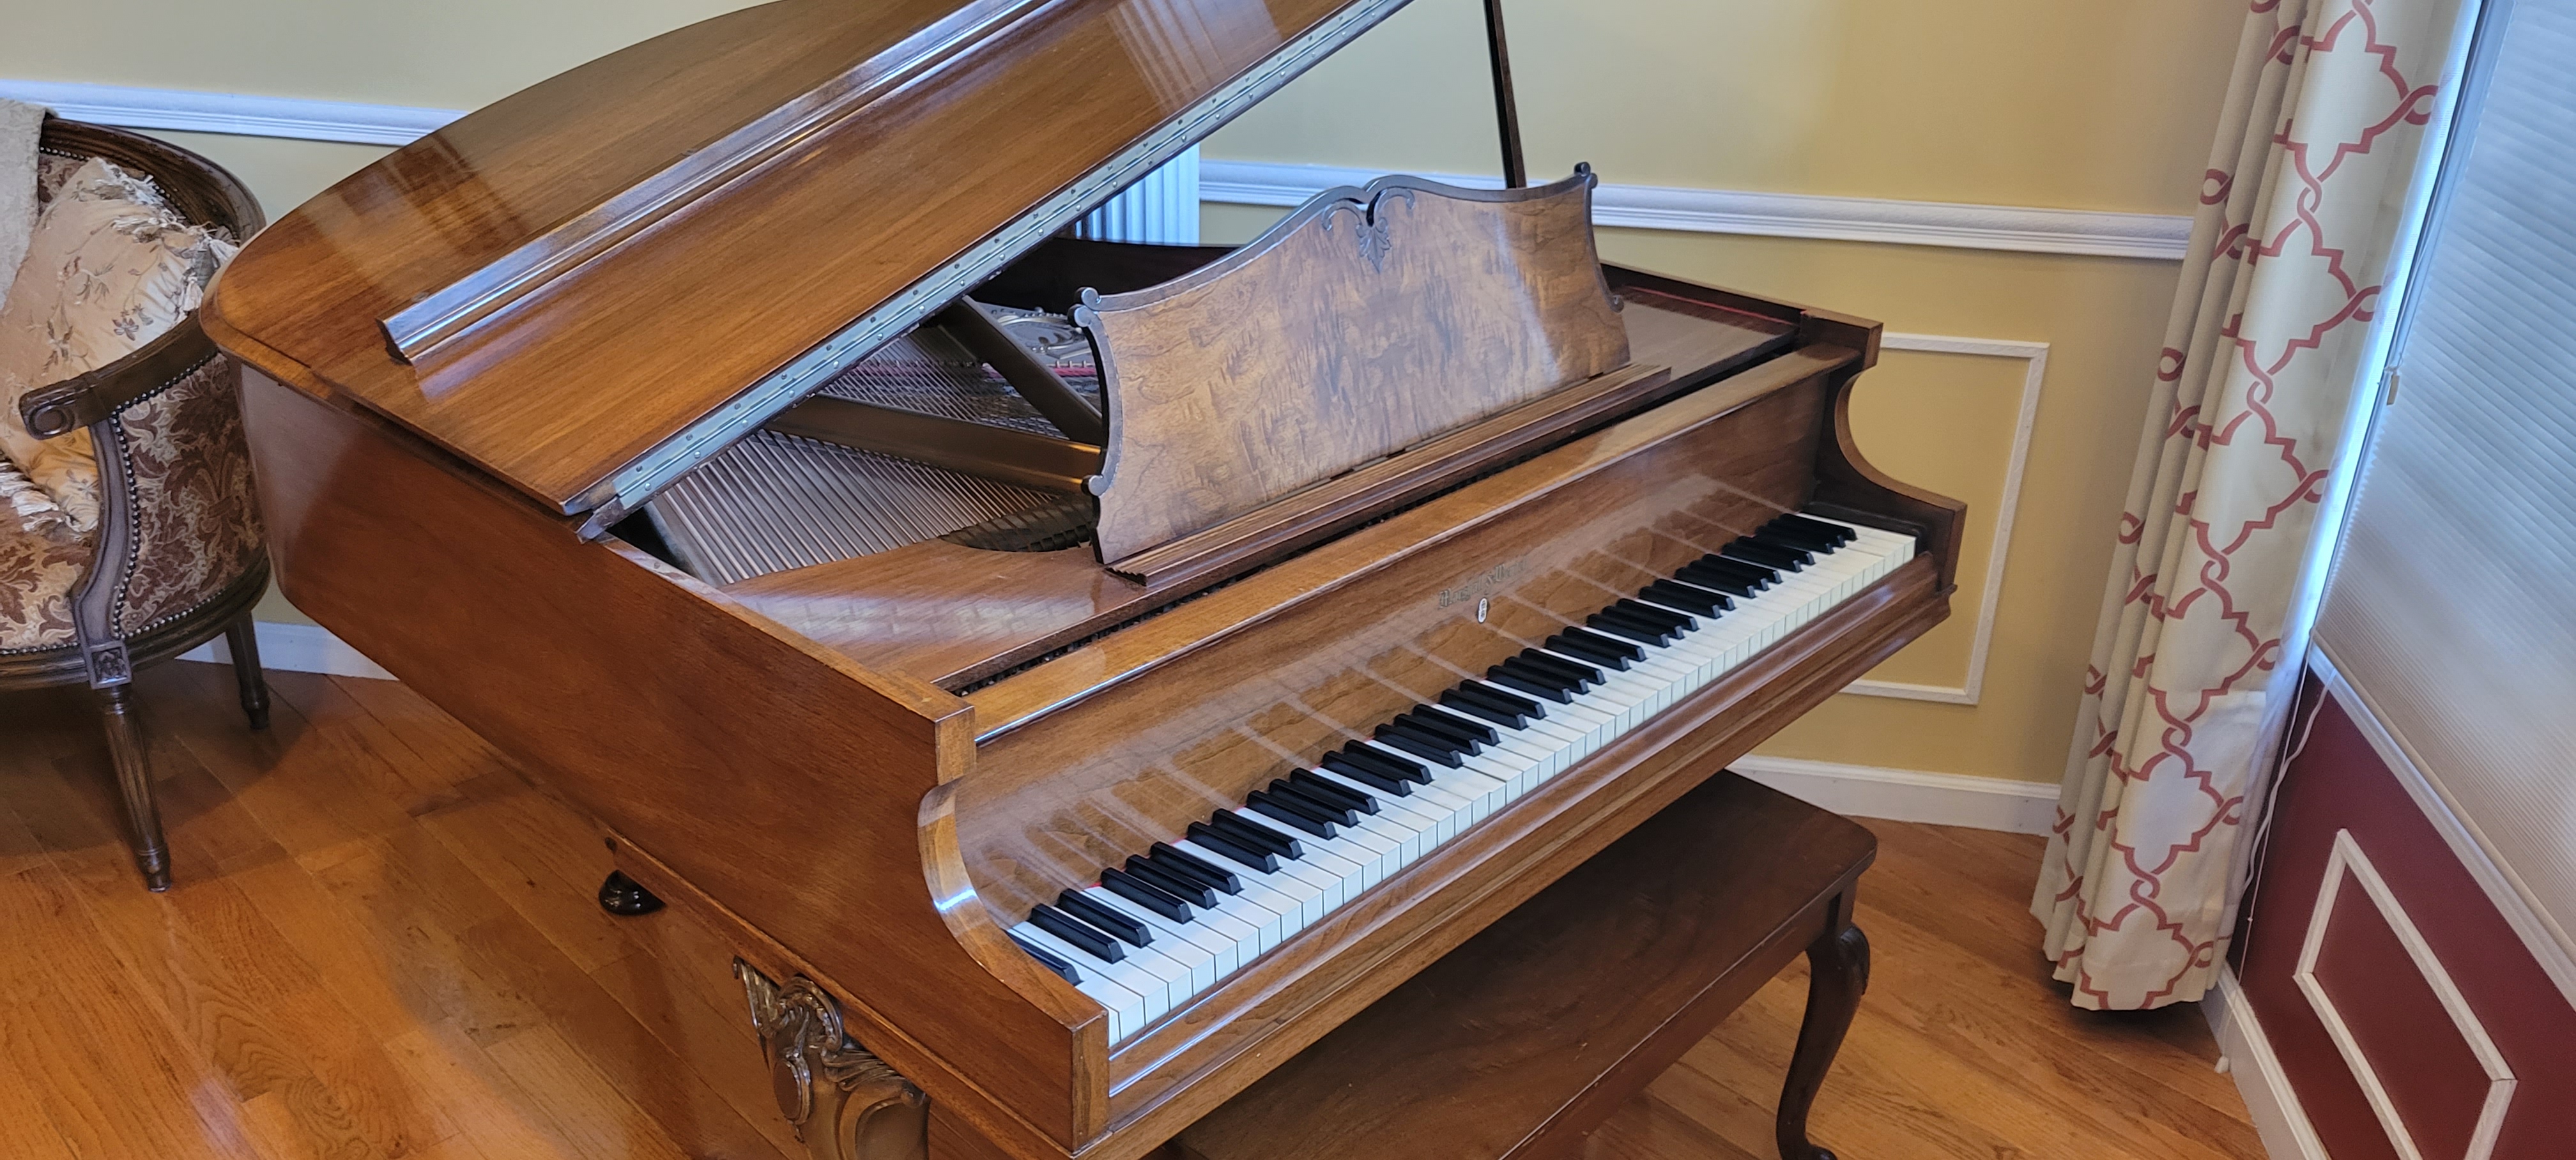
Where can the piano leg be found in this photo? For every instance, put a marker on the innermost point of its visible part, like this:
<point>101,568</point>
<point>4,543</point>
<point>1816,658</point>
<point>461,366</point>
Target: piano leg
<point>1837,973</point>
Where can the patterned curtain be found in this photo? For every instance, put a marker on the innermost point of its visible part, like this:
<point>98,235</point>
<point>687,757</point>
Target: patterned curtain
<point>2299,212</point>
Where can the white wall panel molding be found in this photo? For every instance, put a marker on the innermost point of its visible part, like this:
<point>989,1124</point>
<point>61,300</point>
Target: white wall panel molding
<point>2510,897</point>
<point>233,113</point>
<point>2026,229</point>
<point>2244,1052</point>
<point>1909,795</point>
<point>2349,862</point>
<point>2035,359</point>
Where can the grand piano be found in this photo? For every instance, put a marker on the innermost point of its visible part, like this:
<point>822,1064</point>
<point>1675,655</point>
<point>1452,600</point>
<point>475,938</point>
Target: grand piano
<point>1093,687</point>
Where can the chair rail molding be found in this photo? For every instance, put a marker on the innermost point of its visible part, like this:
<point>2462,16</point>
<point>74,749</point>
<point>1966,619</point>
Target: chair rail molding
<point>2025,229</point>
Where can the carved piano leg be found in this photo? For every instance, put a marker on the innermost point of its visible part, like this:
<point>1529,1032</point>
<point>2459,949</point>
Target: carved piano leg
<point>844,1103</point>
<point>1837,973</point>
<point>623,896</point>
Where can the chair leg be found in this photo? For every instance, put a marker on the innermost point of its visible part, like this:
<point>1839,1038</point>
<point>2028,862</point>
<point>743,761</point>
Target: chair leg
<point>244,643</point>
<point>134,778</point>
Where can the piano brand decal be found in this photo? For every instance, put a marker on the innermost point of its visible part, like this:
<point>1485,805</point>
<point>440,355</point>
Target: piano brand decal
<point>1474,589</point>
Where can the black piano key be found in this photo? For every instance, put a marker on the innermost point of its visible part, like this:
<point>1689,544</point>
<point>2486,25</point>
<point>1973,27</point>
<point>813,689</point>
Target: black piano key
<point>1256,836</point>
<point>1510,702</point>
<point>1182,861</point>
<point>1456,738</point>
<point>1171,880</point>
<point>1123,928</point>
<point>1840,534</point>
<point>1151,895</point>
<point>1796,537</point>
<point>1333,810</point>
<point>1602,650</point>
<point>1046,958</point>
<point>1734,577</point>
<point>1547,688</point>
<point>1767,555</point>
<point>1603,643</point>
<point>1081,934</point>
<point>1681,622</point>
<point>1461,701</point>
<point>1619,626</point>
<point>1382,782</point>
<point>1392,786</point>
<point>1430,749</point>
<point>1214,839</point>
<point>1403,767</point>
<point>1548,669</point>
<point>1449,725</point>
<point>1585,676</point>
<point>1332,791</point>
<point>1288,812</point>
<point>1791,542</point>
<point>1687,597</point>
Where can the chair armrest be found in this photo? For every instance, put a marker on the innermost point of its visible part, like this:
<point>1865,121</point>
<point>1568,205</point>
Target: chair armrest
<point>77,402</point>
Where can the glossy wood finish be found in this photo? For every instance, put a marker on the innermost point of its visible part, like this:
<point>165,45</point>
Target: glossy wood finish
<point>385,947</point>
<point>1366,323</point>
<point>1519,1043</point>
<point>953,616</point>
<point>622,355</point>
<point>772,773</point>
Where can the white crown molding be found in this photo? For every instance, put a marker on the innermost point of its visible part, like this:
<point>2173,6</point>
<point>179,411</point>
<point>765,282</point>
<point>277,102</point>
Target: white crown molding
<point>2349,861</point>
<point>232,113</point>
<point>296,648</point>
<point>1908,795</point>
<point>2035,358</point>
<point>2023,229</point>
<point>2246,1053</point>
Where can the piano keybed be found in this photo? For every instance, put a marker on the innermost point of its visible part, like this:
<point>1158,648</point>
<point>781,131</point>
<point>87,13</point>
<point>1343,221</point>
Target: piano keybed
<point>1177,919</point>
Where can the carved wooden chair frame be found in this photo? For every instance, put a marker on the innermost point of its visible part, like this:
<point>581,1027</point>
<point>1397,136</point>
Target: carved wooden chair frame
<point>101,401</point>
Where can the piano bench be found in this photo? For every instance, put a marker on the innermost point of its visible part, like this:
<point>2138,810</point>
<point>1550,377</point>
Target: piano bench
<point>1527,1037</point>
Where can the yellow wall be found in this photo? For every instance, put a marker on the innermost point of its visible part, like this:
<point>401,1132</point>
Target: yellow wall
<point>2087,105</point>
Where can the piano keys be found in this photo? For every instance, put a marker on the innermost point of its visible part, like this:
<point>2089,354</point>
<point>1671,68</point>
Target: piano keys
<point>1083,675</point>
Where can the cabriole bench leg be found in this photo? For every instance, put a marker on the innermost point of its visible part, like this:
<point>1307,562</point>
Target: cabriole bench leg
<point>1837,973</point>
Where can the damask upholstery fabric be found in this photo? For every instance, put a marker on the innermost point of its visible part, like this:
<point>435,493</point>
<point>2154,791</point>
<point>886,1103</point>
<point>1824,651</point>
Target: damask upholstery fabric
<point>2300,210</point>
<point>196,521</point>
<point>41,563</point>
<point>109,268</point>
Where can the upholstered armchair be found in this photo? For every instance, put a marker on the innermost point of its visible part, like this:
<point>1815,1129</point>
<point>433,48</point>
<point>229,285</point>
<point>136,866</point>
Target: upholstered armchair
<point>174,558</point>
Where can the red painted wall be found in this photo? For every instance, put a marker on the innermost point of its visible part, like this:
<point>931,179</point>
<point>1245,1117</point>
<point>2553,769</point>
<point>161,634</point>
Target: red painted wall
<point>2338,783</point>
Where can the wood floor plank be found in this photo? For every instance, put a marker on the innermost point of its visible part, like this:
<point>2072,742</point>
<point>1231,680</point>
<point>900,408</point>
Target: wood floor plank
<point>383,945</point>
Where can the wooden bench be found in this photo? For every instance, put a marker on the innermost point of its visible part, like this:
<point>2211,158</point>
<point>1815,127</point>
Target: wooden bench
<point>1526,1038</point>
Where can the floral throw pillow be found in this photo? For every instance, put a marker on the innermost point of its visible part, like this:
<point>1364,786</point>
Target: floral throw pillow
<point>109,268</point>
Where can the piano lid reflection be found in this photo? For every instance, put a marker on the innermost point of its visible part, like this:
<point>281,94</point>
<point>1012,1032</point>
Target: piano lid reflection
<point>1077,676</point>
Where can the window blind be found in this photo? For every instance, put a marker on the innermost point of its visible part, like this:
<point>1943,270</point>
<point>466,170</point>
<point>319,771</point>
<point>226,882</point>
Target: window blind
<point>2452,606</point>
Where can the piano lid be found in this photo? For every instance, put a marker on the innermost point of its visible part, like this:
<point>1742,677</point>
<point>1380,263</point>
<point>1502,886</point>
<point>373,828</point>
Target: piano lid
<point>591,286</point>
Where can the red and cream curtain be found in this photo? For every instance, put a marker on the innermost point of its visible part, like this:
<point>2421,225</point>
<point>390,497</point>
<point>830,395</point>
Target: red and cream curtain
<point>2299,212</point>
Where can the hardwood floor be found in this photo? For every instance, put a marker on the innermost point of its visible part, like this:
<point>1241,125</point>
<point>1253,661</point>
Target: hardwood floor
<point>382,944</point>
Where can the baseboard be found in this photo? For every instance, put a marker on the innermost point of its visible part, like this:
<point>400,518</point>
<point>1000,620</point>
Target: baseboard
<point>296,648</point>
<point>2247,1055</point>
<point>1906,795</point>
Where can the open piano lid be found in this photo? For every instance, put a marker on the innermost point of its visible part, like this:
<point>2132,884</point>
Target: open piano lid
<point>592,285</point>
